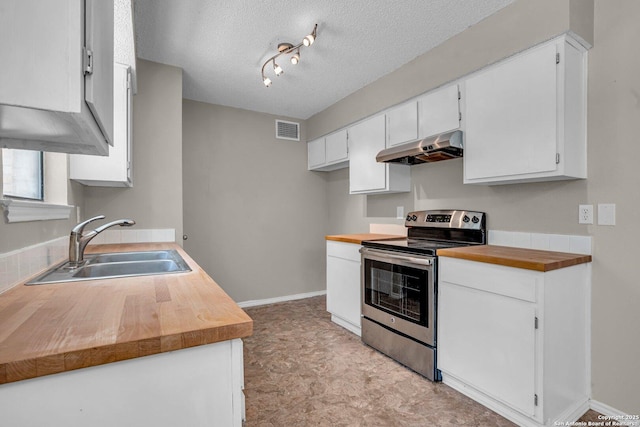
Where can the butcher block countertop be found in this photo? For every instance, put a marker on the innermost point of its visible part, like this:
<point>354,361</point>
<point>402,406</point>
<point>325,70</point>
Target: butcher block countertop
<point>359,238</point>
<point>530,259</point>
<point>46,329</point>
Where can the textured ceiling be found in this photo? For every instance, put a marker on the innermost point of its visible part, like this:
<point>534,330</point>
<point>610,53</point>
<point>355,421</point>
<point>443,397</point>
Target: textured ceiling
<point>221,45</point>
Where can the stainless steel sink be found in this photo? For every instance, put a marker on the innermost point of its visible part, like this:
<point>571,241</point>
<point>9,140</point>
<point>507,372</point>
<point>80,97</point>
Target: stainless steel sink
<point>116,265</point>
<point>132,256</point>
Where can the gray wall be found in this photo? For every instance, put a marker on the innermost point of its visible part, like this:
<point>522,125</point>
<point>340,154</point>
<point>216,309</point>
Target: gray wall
<point>254,215</point>
<point>613,129</point>
<point>155,201</point>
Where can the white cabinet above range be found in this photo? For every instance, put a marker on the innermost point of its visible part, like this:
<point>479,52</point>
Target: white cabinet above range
<point>431,114</point>
<point>525,117</point>
<point>439,111</point>
<point>57,75</point>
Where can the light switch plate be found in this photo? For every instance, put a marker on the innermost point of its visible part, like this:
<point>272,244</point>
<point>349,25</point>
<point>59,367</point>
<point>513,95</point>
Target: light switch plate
<point>606,214</point>
<point>400,212</point>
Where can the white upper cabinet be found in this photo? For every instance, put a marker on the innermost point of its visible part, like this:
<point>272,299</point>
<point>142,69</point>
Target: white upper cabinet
<point>525,118</point>
<point>336,145</point>
<point>113,170</point>
<point>366,176</point>
<point>57,85</point>
<point>439,111</point>
<point>402,124</point>
<point>329,153</point>
<point>316,156</point>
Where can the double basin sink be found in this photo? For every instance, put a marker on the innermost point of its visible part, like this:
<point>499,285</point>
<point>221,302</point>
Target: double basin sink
<point>116,265</point>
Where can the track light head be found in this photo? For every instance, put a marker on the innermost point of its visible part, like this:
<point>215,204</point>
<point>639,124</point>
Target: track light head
<point>308,40</point>
<point>266,81</point>
<point>277,69</point>
<point>295,58</point>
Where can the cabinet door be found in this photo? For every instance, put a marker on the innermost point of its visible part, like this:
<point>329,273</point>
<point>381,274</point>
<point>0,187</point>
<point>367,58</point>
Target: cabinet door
<point>316,153</point>
<point>343,289</point>
<point>336,147</point>
<point>511,117</point>
<point>439,112</point>
<point>366,140</point>
<point>99,82</point>
<point>113,170</point>
<point>402,124</point>
<point>488,341</point>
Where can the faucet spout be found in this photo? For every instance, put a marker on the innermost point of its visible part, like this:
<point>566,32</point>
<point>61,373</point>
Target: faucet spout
<point>78,239</point>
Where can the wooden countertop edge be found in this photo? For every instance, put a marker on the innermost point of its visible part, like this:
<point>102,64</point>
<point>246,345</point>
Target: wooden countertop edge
<point>83,358</point>
<point>358,238</point>
<point>517,260</point>
<point>22,369</point>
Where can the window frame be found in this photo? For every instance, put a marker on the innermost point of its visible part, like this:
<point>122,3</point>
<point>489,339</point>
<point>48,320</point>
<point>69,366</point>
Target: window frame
<point>24,210</point>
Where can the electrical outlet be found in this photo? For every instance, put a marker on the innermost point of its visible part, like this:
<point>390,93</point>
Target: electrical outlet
<point>585,214</point>
<point>399,212</point>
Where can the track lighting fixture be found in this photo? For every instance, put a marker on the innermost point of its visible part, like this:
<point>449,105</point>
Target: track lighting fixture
<point>288,49</point>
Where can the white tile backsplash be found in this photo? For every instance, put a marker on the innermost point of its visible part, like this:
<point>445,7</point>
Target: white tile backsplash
<point>19,265</point>
<point>548,242</point>
<point>398,229</point>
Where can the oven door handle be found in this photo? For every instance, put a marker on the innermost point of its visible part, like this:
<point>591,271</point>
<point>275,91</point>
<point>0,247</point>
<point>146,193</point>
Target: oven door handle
<point>413,260</point>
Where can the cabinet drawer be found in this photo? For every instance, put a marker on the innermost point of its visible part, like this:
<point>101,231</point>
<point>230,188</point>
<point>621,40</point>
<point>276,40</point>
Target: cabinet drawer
<point>507,281</point>
<point>350,251</point>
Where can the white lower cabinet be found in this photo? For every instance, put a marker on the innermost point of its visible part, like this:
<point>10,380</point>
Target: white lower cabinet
<point>196,386</point>
<point>516,340</point>
<point>343,284</point>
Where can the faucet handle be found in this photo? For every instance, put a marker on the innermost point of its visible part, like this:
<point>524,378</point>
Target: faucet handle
<point>78,229</point>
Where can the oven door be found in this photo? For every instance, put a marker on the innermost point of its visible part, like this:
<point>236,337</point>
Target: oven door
<point>398,292</point>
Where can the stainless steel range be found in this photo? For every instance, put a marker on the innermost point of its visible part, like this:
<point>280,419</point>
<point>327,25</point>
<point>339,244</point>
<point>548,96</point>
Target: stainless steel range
<point>399,285</point>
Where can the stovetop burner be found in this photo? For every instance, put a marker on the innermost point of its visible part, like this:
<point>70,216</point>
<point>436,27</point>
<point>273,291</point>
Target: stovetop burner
<point>429,231</point>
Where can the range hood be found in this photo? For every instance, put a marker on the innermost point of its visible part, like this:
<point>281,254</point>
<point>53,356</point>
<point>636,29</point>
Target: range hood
<point>433,149</point>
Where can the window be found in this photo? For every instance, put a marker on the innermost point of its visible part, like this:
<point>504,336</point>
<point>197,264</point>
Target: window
<point>22,174</point>
<point>26,175</point>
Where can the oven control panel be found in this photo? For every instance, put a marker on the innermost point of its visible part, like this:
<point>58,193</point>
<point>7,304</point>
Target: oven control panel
<point>446,219</point>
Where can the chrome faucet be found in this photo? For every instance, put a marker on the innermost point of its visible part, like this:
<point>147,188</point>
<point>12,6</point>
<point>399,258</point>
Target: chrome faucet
<point>78,240</point>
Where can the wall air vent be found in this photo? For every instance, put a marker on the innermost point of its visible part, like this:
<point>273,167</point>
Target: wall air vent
<point>287,130</point>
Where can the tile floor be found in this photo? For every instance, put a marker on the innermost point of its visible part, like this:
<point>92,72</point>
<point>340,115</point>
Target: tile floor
<point>303,370</point>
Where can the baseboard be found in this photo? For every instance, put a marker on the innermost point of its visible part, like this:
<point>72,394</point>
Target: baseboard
<point>347,325</point>
<point>615,414</point>
<point>501,409</point>
<point>253,303</point>
<point>573,413</point>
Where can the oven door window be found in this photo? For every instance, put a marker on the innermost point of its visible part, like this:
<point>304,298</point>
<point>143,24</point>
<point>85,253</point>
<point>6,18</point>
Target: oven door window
<point>398,290</point>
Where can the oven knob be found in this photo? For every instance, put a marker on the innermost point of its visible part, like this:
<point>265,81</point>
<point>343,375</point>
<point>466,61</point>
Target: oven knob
<point>414,218</point>
<point>475,220</point>
<point>465,218</point>
<point>408,217</point>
